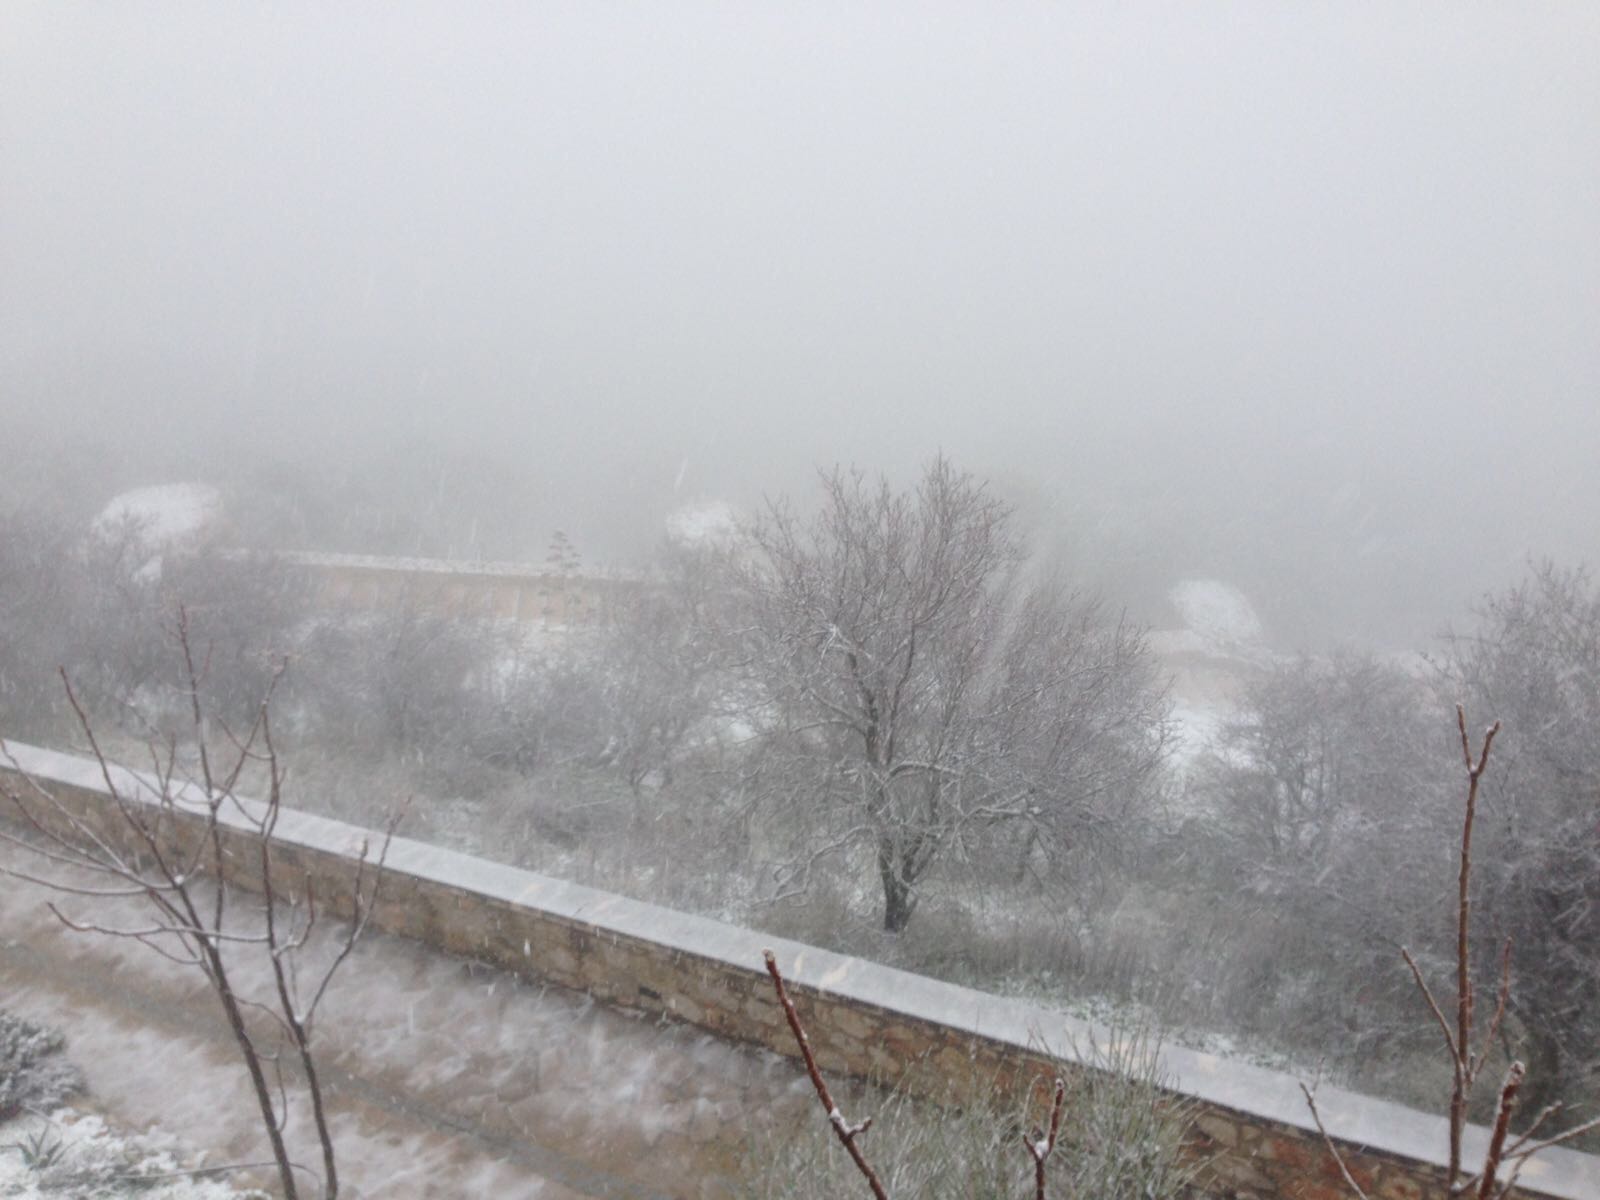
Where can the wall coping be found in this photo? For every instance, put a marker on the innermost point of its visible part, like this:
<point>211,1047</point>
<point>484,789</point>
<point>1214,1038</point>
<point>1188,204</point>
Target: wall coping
<point>486,568</point>
<point>1245,1088</point>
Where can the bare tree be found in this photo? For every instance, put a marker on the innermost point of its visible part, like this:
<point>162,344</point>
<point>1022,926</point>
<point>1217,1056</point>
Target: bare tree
<point>656,658</point>
<point>169,846</point>
<point>1305,777</point>
<point>248,611</point>
<point>843,1129</point>
<point>95,603</point>
<point>408,680</point>
<point>40,591</point>
<point>921,694</point>
<point>1315,817</point>
<point>1467,1042</point>
<point>1534,659</point>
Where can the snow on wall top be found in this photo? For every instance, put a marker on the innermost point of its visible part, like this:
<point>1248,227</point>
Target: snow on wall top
<point>449,566</point>
<point>1219,613</point>
<point>163,515</point>
<point>1240,1086</point>
<point>712,523</point>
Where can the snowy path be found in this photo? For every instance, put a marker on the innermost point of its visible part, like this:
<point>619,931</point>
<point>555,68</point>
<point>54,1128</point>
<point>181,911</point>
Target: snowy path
<point>447,1079</point>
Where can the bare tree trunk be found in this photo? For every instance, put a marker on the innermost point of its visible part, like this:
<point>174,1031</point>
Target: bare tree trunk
<point>270,1120</point>
<point>898,899</point>
<point>1030,842</point>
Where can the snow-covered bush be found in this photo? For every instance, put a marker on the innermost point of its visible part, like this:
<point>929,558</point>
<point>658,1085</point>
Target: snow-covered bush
<point>34,1070</point>
<point>75,1156</point>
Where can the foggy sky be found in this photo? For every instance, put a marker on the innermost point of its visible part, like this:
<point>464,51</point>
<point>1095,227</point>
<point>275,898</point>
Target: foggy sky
<point>1313,284</point>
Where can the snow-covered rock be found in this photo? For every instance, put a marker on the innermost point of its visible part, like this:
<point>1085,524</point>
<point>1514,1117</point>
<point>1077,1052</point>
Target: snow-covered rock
<point>162,517</point>
<point>158,520</point>
<point>1218,614</point>
<point>709,523</point>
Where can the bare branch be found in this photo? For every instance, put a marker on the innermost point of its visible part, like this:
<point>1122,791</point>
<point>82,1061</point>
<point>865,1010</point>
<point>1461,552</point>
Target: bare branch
<point>1349,1179</point>
<point>1568,1135</point>
<point>175,842</point>
<point>846,1132</point>
<point>1040,1146</point>
<point>1433,1005</point>
<point>1502,1122</point>
<point>1501,1001</point>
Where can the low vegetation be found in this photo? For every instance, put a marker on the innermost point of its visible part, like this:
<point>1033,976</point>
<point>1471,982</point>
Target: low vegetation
<point>708,744</point>
<point>35,1073</point>
<point>1103,1129</point>
<point>169,846</point>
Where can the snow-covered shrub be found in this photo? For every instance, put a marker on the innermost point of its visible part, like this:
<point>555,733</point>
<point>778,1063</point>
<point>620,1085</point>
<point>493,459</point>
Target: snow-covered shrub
<point>34,1071</point>
<point>407,680</point>
<point>77,1156</point>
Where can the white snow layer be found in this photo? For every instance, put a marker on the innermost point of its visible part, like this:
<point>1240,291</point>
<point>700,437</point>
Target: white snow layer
<point>163,515</point>
<point>76,1154</point>
<point>1217,612</point>
<point>712,523</point>
<point>1194,729</point>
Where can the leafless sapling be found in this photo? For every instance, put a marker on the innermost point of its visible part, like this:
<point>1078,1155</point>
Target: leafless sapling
<point>1039,1145</point>
<point>1533,658</point>
<point>181,846</point>
<point>1466,1052</point>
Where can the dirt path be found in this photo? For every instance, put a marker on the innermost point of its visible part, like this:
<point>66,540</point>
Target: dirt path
<point>446,1078</point>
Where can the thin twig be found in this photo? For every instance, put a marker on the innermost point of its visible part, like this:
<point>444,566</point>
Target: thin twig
<point>1545,1143</point>
<point>846,1132</point>
<point>1433,1005</point>
<point>1500,1004</point>
<point>1464,1073</point>
<point>1311,1103</point>
<point>1040,1148</point>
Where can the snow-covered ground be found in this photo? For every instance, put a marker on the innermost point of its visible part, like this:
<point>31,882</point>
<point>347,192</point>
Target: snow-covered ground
<point>1210,658</point>
<point>69,1154</point>
<point>447,1079</point>
<point>1195,727</point>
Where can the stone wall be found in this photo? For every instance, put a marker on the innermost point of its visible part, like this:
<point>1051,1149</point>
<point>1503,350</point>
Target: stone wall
<point>521,593</point>
<point>1250,1125</point>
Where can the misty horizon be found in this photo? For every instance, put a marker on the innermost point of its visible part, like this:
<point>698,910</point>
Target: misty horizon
<point>1300,299</point>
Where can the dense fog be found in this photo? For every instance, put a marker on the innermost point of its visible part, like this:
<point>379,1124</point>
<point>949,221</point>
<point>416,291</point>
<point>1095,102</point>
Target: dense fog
<point>1013,493</point>
<point>1303,299</point>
